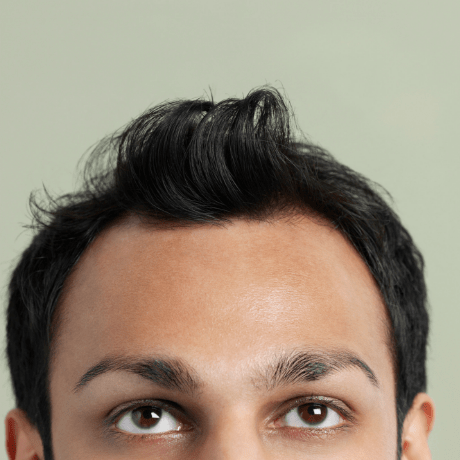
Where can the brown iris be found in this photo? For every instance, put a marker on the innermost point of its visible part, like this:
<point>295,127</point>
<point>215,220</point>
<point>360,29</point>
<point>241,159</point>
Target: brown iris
<point>312,414</point>
<point>146,417</point>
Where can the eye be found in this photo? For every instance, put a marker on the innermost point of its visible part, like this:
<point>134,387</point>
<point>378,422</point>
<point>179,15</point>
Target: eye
<point>312,415</point>
<point>148,420</point>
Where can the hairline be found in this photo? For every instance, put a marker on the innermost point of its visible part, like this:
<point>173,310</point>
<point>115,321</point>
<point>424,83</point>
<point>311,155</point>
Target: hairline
<point>291,215</point>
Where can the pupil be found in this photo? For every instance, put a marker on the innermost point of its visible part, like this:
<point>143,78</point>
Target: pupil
<point>313,413</point>
<point>146,417</point>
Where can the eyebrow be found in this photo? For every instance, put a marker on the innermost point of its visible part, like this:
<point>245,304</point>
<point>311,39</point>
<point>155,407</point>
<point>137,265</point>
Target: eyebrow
<point>165,372</point>
<point>283,369</point>
<point>309,366</point>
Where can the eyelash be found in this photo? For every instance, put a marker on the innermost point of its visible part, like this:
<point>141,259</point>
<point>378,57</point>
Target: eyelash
<point>331,403</point>
<point>112,420</point>
<point>167,406</point>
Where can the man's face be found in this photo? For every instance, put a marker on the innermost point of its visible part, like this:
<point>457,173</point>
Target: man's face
<point>259,341</point>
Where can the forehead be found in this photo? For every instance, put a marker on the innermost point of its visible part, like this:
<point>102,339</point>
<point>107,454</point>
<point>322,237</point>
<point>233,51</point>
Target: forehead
<point>222,295</point>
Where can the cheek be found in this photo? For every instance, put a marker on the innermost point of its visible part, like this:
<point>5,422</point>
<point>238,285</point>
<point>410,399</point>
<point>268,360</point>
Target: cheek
<point>379,438</point>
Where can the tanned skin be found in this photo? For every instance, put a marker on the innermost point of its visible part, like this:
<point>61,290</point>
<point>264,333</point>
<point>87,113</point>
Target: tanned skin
<point>225,303</point>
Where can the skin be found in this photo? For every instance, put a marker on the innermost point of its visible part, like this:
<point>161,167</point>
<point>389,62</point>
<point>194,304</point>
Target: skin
<point>224,301</point>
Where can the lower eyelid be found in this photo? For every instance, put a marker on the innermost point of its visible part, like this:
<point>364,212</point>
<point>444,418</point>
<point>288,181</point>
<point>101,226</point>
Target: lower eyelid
<point>127,437</point>
<point>310,434</point>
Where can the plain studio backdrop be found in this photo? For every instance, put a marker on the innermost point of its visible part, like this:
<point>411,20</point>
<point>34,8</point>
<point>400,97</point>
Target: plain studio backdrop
<point>374,82</point>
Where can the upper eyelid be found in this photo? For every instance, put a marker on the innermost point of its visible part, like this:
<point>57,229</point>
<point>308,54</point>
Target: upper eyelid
<point>120,412</point>
<point>331,403</point>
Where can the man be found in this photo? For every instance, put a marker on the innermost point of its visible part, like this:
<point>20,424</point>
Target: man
<point>220,291</point>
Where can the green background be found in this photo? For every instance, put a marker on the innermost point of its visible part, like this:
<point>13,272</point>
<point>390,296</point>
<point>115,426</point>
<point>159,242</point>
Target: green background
<point>374,82</point>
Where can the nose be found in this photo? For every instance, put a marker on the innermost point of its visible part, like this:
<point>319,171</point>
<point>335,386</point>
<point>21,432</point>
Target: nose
<point>233,438</point>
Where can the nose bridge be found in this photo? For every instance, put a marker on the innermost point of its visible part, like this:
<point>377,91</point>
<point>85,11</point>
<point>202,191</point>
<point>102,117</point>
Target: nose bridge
<point>233,436</point>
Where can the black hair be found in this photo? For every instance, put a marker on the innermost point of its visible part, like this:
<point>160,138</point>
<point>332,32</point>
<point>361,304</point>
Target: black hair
<point>192,162</point>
